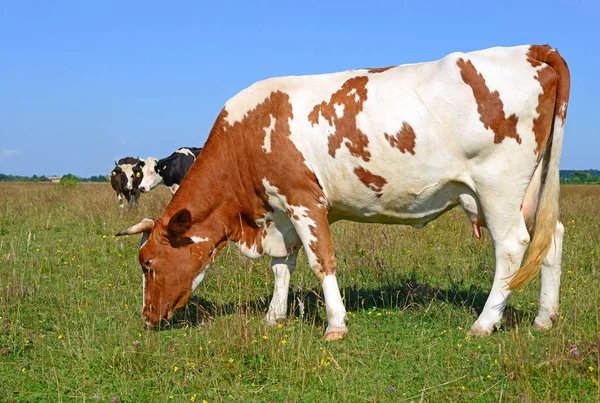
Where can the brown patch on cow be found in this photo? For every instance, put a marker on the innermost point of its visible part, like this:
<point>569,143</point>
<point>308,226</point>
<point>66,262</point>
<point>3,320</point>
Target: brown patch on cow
<point>538,54</point>
<point>542,124</point>
<point>489,104</point>
<point>379,69</point>
<point>370,180</point>
<point>404,139</point>
<point>289,175</point>
<point>554,78</point>
<point>352,96</point>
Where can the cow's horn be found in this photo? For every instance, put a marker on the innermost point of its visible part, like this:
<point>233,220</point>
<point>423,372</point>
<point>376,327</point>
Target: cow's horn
<point>145,225</point>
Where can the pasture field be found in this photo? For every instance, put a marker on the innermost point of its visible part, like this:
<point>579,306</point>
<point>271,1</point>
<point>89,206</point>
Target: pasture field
<point>70,325</point>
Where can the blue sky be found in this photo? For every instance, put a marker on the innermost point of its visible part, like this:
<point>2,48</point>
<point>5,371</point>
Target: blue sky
<point>83,83</point>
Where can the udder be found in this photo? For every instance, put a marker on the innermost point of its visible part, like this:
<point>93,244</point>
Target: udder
<point>471,206</point>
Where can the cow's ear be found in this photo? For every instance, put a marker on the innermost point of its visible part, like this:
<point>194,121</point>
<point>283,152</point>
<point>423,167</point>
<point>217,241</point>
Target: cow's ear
<point>179,224</point>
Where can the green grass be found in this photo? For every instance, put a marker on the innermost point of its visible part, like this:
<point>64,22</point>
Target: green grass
<point>70,325</point>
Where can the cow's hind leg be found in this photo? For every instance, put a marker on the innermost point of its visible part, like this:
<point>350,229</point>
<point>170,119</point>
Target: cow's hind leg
<point>509,234</point>
<point>282,267</point>
<point>551,272</point>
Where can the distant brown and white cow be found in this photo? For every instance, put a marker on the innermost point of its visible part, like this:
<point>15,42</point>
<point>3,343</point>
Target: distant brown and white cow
<point>122,178</point>
<point>398,145</point>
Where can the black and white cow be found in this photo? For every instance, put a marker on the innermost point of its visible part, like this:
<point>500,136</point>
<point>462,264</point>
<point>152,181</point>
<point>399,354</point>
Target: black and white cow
<point>121,180</point>
<point>170,170</point>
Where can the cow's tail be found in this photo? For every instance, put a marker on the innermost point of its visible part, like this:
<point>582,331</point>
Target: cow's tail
<point>547,212</point>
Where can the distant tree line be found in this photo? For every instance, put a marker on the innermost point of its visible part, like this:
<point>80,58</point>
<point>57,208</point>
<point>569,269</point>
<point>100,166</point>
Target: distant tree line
<point>18,178</point>
<point>579,177</point>
<point>97,178</point>
<point>44,178</point>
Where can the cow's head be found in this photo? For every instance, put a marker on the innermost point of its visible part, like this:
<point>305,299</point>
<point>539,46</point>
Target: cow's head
<point>174,255</point>
<point>118,180</point>
<point>137,176</point>
<point>150,175</point>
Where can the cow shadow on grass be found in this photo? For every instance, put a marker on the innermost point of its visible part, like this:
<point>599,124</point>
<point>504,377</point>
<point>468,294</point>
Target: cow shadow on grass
<point>308,305</point>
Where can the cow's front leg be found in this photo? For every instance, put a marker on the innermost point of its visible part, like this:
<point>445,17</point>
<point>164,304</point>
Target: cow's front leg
<point>312,227</point>
<point>282,267</point>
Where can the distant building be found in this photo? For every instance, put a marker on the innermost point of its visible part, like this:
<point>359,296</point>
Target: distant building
<point>54,178</point>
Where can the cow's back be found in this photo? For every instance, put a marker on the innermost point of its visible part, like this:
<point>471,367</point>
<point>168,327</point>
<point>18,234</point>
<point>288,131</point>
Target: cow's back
<point>405,142</point>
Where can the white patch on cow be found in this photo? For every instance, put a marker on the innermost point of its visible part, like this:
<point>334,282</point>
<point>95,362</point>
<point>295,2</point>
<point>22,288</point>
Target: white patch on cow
<point>562,110</point>
<point>185,151</point>
<point>336,312</point>
<point>196,239</point>
<point>173,188</point>
<point>339,110</point>
<point>151,179</point>
<point>279,237</point>
<point>302,224</point>
<point>128,169</point>
<point>252,96</point>
<point>268,130</point>
<point>514,72</point>
<point>248,251</point>
<point>198,279</point>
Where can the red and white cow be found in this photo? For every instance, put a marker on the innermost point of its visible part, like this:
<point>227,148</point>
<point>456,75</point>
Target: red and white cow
<point>398,145</point>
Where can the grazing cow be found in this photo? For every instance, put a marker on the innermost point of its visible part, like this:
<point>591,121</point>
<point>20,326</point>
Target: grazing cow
<point>121,180</point>
<point>170,170</point>
<point>397,145</point>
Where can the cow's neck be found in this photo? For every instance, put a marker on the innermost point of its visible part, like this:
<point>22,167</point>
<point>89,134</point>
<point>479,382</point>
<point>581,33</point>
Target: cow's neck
<point>219,195</point>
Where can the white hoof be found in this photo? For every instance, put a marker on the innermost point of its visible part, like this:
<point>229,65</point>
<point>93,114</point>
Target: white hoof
<point>336,333</point>
<point>542,323</point>
<point>481,330</point>
<point>274,319</point>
